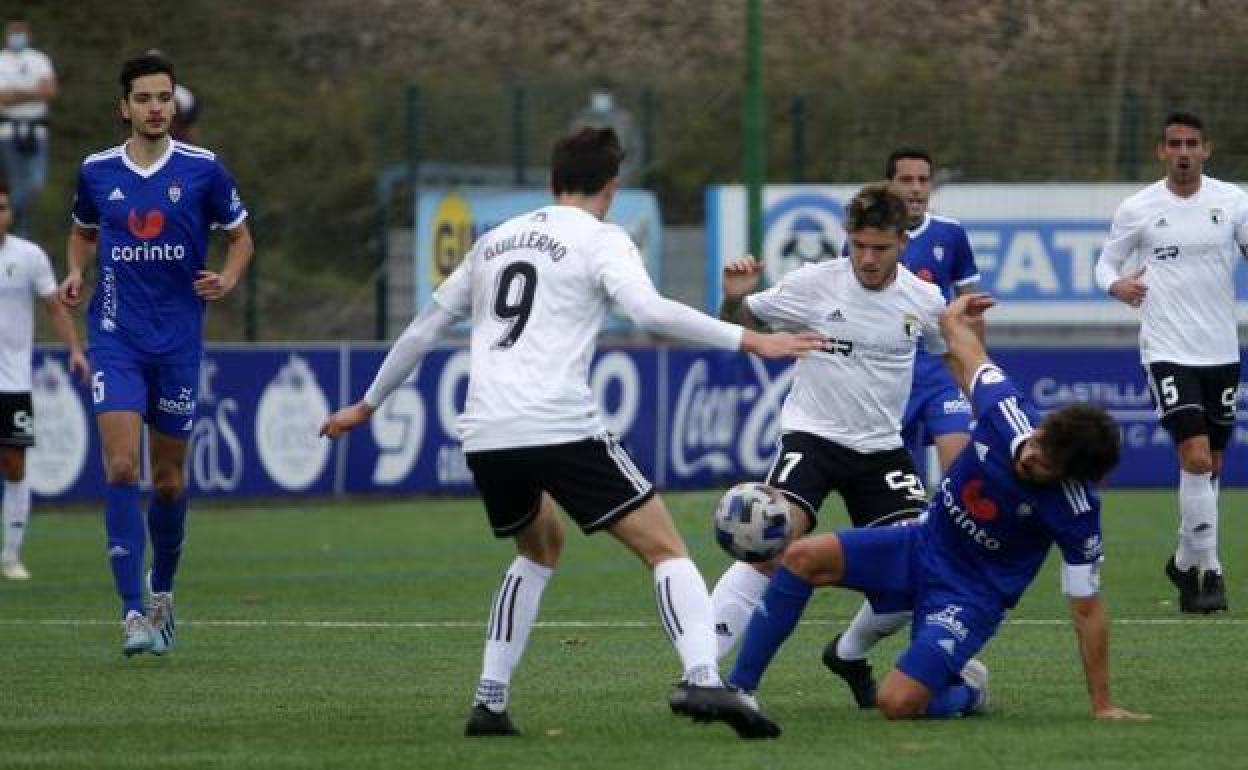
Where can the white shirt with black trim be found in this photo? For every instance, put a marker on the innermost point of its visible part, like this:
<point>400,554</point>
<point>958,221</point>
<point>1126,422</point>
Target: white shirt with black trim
<point>25,273</point>
<point>854,393</point>
<point>1190,247</point>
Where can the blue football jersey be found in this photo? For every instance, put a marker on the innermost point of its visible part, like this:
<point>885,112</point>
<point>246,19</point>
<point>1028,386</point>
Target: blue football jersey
<point>154,225</point>
<point>987,530</point>
<point>939,252</point>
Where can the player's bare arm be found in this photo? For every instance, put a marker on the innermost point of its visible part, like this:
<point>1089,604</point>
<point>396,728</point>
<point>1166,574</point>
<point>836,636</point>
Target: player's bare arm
<point>214,286</point>
<point>1092,631</point>
<point>345,419</point>
<point>962,325</point>
<point>64,326</point>
<point>79,253</point>
<point>740,279</point>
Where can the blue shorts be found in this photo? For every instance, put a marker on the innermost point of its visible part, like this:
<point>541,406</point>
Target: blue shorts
<point>934,410</point>
<point>163,391</point>
<point>949,623</point>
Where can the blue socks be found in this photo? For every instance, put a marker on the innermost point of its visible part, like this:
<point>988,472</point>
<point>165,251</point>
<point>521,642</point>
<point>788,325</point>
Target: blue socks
<point>952,701</point>
<point>166,523</point>
<point>772,622</point>
<point>126,539</point>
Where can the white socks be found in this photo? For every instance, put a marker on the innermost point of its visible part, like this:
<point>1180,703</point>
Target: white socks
<point>866,630</point>
<point>1198,522</point>
<point>511,619</point>
<point>687,617</point>
<point>739,590</point>
<point>16,514</point>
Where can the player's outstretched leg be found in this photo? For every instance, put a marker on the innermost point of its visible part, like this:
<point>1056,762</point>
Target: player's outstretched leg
<point>16,507</point>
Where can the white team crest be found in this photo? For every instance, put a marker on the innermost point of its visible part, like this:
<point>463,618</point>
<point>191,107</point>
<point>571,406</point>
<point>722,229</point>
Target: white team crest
<point>911,326</point>
<point>175,191</point>
<point>1024,510</point>
<point>1217,215</point>
<point>938,251</point>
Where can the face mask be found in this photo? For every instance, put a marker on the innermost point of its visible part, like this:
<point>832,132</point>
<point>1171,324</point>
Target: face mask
<point>17,41</point>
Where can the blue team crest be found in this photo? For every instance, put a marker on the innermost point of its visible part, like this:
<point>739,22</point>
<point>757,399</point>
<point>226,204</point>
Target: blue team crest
<point>175,191</point>
<point>938,251</point>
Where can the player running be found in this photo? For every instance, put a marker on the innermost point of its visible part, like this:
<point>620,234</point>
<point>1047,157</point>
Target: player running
<point>537,289</point>
<point>145,210</point>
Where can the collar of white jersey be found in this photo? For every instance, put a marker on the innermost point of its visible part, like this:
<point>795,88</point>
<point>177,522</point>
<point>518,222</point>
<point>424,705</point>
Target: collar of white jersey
<point>916,232</point>
<point>1191,200</point>
<point>152,169</point>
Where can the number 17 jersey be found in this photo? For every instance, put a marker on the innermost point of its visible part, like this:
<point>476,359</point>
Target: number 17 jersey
<point>537,289</point>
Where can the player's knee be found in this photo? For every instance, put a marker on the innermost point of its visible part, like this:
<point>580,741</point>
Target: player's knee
<point>899,703</point>
<point>1197,462</point>
<point>122,470</point>
<point>805,558</point>
<point>13,466</point>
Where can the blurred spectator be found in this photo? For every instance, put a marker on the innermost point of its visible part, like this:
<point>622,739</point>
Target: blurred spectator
<point>602,112</point>
<point>27,84</point>
<point>183,128</point>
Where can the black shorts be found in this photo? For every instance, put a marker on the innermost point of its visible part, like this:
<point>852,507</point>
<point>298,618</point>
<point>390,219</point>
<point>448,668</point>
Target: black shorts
<point>17,420</point>
<point>594,480</point>
<point>878,488</point>
<point>1195,400</point>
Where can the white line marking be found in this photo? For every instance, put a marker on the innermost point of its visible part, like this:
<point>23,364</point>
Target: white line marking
<point>448,624</point>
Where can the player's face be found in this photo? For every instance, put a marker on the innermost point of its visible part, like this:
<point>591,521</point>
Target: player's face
<point>1032,464</point>
<point>912,180</point>
<point>1184,151</point>
<point>874,254</point>
<point>149,107</point>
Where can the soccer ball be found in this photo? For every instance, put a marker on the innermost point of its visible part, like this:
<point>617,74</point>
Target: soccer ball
<point>752,522</point>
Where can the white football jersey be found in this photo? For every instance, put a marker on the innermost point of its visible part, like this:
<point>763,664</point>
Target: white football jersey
<point>1190,247</point>
<point>854,394</point>
<point>24,273</point>
<point>537,289</point>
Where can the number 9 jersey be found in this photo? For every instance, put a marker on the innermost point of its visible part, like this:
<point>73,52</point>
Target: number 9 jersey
<point>537,288</point>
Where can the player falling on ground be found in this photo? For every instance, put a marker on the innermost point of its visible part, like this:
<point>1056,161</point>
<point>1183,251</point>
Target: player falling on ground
<point>841,421</point>
<point>537,289</point>
<point>145,210</point>
<point>1012,493</point>
<point>25,273</point>
<point>1172,252</point>
<point>939,252</point>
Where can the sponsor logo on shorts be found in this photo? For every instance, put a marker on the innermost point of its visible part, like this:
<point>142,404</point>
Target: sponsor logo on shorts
<point>957,406</point>
<point>948,620</point>
<point>182,406</point>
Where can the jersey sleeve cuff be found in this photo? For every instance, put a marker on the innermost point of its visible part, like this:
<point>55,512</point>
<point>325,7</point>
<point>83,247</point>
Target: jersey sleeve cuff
<point>238,220</point>
<point>84,225</point>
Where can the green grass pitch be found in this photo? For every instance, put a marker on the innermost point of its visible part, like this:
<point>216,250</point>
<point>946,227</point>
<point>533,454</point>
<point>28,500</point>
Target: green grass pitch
<point>349,635</point>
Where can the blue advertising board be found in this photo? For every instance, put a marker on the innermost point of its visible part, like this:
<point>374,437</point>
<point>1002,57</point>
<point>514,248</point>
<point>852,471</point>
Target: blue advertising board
<point>691,418</point>
<point>1036,245</point>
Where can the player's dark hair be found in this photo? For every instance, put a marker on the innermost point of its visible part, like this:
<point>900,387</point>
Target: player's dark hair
<point>1081,442</point>
<point>584,161</point>
<point>1189,119</point>
<point>876,206</point>
<point>907,153</point>
<point>4,185</point>
<point>150,63</point>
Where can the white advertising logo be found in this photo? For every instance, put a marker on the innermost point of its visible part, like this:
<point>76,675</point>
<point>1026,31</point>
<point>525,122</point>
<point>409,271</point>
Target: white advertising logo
<point>452,467</point>
<point>705,433</point>
<point>618,369</point>
<point>801,236</point>
<point>215,457</point>
<point>399,430</point>
<point>290,413</point>
<point>60,450</point>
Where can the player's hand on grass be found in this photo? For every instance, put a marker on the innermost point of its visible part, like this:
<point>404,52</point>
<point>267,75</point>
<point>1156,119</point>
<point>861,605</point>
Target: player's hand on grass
<point>781,344</point>
<point>741,276</point>
<point>213,286</point>
<point>71,289</point>
<point>1119,713</point>
<point>1130,289</point>
<point>346,418</point>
